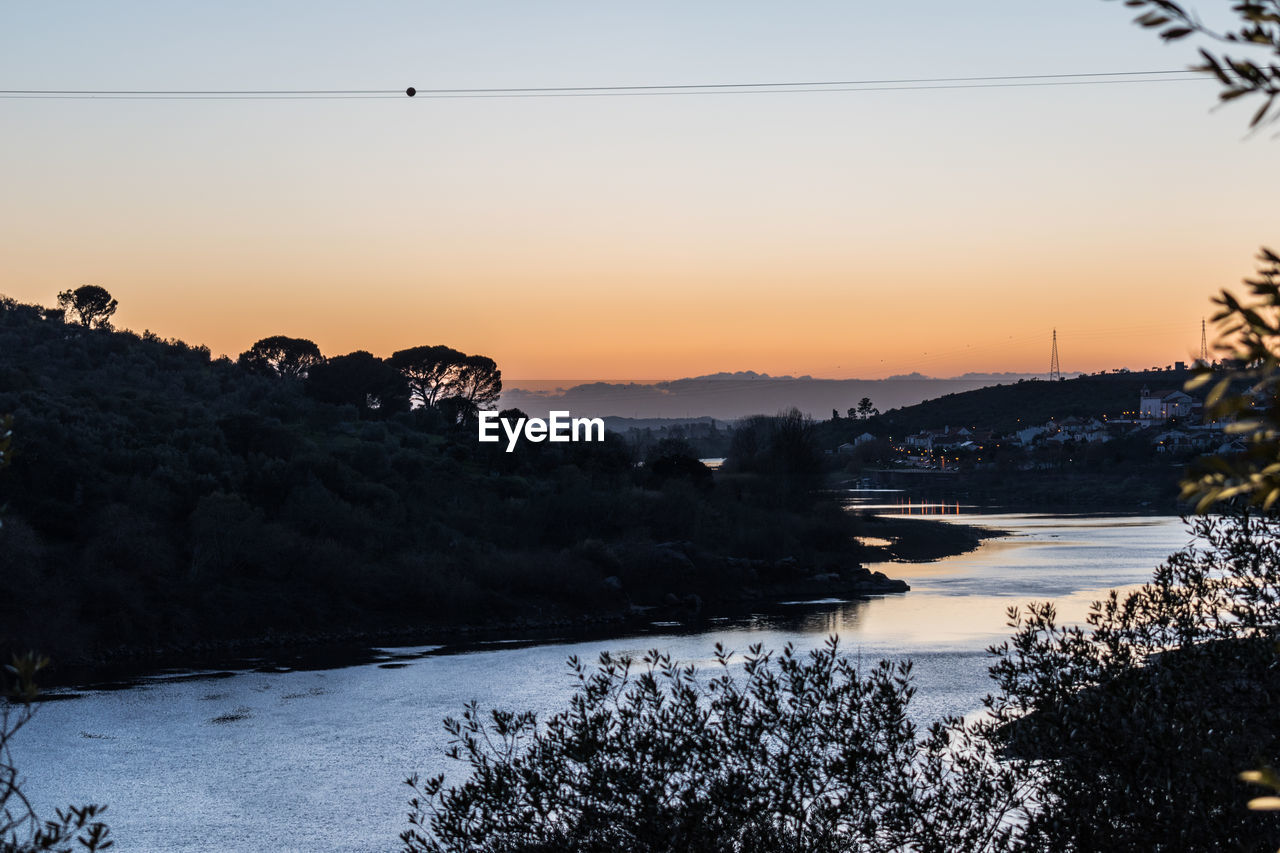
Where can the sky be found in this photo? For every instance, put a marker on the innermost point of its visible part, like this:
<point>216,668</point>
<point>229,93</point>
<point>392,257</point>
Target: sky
<point>837,234</point>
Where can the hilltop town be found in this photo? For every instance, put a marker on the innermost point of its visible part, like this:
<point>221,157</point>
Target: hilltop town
<point>1114,439</point>
<point>1170,421</point>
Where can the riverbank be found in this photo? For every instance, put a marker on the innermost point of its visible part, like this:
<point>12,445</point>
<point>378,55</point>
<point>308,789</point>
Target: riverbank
<point>912,540</point>
<point>278,651</point>
<point>906,541</point>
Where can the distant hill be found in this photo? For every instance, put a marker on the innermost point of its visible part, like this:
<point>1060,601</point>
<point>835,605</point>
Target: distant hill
<point>728,396</point>
<point>625,425</point>
<point>1009,407</point>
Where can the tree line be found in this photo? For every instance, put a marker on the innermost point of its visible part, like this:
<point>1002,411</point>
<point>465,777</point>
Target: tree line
<point>431,375</point>
<point>457,384</point>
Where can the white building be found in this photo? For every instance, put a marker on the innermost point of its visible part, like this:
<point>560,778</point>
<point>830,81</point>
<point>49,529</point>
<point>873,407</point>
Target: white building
<point>1162,405</point>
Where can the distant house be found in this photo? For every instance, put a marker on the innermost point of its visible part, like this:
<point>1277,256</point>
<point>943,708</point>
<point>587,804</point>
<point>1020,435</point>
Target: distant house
<point>1186,439</point>
<point>1171,440</point>
<point>920,440</point>
<point>1096,430</point>
<point>982,436</point>
<point>951,438</point>
<point>932,438</point>
<point>926,439</point>
<point>849,446</point>
<point>1080,430</point>
<point>1027,435</point>
<point>1162,405</point>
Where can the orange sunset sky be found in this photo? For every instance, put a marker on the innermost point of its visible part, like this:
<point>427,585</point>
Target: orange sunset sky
<point>836,233</point>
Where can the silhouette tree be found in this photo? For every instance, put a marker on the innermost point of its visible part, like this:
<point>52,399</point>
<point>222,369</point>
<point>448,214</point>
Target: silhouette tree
<point>676,459</point>
<point>457,410</point>
<point>361,379</point>
<point>479,381</point>
<point>90,304</point>
<point>431,371</point>
<point>865,409</point>
<point>291,358</point>
<point>782,448</point>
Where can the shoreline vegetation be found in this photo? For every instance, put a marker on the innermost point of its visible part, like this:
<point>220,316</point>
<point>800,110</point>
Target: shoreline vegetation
<point>920,540</point>
<point>906,541</point>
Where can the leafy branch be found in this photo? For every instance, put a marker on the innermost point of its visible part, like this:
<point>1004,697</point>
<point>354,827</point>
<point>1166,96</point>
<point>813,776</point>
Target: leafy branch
<point>1244,395</point>
<point>21,830</point>
<point>1258,26</point>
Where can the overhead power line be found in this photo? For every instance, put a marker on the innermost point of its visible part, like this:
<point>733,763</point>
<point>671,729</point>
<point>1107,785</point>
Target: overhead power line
<point>1091,78</point>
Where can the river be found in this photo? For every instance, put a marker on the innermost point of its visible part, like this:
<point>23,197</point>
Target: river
<point>315,759</point>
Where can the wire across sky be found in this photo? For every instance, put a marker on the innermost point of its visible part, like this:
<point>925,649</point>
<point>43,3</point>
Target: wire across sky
<point>1004,81</point>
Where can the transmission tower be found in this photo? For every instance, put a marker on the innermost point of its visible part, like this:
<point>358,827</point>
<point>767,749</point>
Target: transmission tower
<point>1055,369</point>
<point>1204,344</point>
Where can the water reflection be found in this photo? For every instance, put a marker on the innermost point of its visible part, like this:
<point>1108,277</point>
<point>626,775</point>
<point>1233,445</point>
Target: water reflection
<point>907,506</point>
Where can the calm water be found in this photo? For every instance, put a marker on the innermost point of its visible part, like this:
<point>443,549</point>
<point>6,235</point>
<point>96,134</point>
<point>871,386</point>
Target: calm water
<point>315,760</point>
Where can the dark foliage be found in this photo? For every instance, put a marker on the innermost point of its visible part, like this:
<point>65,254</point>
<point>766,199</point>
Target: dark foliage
<point>436,373</point>
<point>360,379</point>
<point>89,305</point>
<point>279,355</point>
<point>782,450</point>
<point>479,381</point>
<point>1140,721</point>
<point>795,755</point>
<point>160,500</point>
<point>431,371</point>
<point>1007,408</point>
<point>674,459</point>
<point>705,436</point>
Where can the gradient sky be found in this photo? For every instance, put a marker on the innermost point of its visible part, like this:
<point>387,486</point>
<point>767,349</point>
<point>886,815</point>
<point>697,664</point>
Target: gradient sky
<point>838,234</point>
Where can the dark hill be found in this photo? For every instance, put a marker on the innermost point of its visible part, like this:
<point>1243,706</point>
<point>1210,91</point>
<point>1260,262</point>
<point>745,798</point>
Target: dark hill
<point>1006,408</point>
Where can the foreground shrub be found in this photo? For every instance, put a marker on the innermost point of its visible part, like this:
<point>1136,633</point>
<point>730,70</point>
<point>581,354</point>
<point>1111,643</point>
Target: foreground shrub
<point>21,830</point>
<point>797,754</point>
<point>1140,721</point>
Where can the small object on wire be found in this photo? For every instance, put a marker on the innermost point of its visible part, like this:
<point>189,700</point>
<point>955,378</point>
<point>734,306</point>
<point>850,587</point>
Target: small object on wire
<point>757,88</point>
